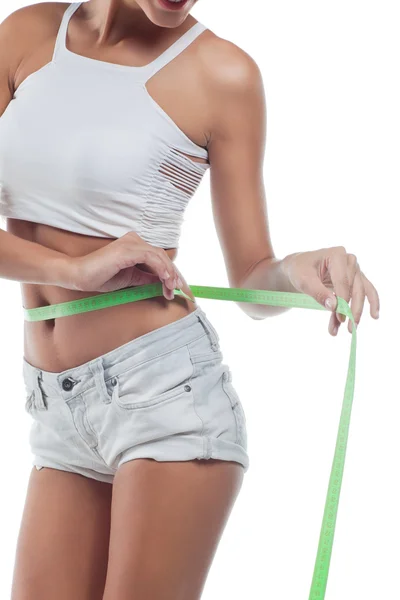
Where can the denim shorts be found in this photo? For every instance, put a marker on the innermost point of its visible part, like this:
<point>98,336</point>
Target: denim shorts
<point>165,395</point>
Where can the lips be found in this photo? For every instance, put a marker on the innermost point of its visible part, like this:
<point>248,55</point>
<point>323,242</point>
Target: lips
<point>173,5</point>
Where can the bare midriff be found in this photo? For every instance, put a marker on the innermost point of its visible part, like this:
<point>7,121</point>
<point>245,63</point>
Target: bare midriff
<point>66,342</point>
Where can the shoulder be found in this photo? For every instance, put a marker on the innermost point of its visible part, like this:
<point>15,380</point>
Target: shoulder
<point>30,24</point>
<point>25,30</point>
<point>234,96</point>
<point>34,17</point>
<point>227,67</point>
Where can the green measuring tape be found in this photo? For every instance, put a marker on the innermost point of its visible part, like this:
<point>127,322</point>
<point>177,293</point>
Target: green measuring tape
<point>272,298</point>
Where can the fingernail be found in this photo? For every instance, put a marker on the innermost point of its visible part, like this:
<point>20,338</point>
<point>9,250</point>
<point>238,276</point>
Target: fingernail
<point>377,314</point>
<point>166,274</point>
<point>329,303</point>
<point>335,330</point>
<point>180,282</point>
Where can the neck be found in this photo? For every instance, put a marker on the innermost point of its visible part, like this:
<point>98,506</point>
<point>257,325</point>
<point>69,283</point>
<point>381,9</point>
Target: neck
<point>116,20</point>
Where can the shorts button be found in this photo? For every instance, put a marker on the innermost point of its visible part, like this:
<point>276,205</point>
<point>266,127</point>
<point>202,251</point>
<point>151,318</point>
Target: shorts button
<point>67,384</point>
<point>187,388</point>
<point>114,381</point>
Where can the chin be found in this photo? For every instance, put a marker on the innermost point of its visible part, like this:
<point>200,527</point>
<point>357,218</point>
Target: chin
<point>171,15</point>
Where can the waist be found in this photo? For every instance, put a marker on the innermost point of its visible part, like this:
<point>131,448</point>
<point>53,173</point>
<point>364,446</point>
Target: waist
<point>63,343</point>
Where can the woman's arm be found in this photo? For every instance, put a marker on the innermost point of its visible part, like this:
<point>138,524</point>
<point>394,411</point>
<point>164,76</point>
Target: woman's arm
<point>28,262</point>
<point>236,144</point>
<point>22,260</point>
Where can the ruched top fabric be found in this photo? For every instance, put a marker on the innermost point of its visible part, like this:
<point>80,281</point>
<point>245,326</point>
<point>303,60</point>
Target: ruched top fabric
<point>85,148</point>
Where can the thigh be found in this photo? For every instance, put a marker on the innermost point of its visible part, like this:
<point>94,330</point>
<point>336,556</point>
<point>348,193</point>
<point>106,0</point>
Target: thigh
<point>62,548</point>
<point>166,522</point>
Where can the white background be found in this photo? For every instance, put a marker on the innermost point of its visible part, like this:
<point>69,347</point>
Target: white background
<point>331,173</point>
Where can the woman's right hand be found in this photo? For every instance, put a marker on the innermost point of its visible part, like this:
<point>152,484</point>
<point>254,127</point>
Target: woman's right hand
<point>113,267</point>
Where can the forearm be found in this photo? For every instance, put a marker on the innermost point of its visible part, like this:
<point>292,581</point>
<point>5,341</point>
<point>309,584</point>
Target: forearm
<point>25,261</point>
<point>268,274</point>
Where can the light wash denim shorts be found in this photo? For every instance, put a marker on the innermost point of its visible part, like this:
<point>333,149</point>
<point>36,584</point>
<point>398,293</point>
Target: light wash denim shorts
<point>164,395</point>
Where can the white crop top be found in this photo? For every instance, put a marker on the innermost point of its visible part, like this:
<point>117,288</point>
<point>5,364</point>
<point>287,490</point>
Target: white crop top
<point>84,147</point>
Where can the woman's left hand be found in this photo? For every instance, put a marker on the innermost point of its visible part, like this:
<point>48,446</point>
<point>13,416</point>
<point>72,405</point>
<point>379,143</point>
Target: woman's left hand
<point>330,272</point>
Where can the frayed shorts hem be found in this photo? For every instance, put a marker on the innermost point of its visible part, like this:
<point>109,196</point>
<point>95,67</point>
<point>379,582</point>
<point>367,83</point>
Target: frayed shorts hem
<point>76,470</point>
<point>178,449</point>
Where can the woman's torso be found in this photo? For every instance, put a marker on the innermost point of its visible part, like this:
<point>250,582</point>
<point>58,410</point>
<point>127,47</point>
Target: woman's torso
<point>59,344</point>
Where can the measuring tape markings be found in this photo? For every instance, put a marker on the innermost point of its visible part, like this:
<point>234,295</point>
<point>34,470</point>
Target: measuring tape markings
<point>271,298</point>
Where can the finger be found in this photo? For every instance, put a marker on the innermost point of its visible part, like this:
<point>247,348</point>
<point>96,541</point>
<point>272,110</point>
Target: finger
<point>173,280</point>
<point>155,262</point>
<point>152,256</point>
<point>139,277</point>
<point>334,324</point>
<point>352,269</point>
<point>145,278</point>
<point>168,293</point>
<point>373,297</point>
<point>313,286</point>
<point>180,276</point>
<point>170,275</point>
<point>338,270</point>
<point>357,300</point>
<point>155,259</point>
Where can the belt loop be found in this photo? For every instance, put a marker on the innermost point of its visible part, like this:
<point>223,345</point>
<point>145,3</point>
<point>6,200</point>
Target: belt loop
<point>210,330</point>
<point>97,370</point>
<point>39,400</point>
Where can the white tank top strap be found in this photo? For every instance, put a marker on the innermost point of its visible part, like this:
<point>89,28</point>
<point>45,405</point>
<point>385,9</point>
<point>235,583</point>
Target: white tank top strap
<point>172,51</point>
<point>60,44</point>
<point>146,71</point>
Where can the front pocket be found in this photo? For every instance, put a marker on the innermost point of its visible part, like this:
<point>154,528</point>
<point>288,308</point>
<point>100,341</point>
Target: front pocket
<point>237,408</point>
<point>157,380</point>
